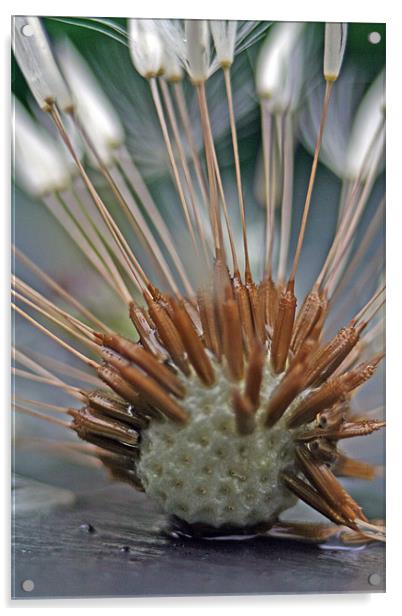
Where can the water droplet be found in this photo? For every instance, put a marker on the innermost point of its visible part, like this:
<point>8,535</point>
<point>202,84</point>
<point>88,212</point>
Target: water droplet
<point>173,534</point>
<point>87,528</point>
<point>335,543</point>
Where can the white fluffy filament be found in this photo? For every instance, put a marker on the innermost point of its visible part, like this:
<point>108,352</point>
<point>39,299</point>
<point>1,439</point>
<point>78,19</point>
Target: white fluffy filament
<point>146,47</point>
<point>366,146</point>
<point>334,49</point>
<point>94,109</point>
<point>40,165</point>
<point>224,37</point>
<point>274,78</point>
<point>198,49</point>
<point>37,62</point>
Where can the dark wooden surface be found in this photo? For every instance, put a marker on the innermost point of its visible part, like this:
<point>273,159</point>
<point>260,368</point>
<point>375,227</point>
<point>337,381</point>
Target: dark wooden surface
<point>111,542</point>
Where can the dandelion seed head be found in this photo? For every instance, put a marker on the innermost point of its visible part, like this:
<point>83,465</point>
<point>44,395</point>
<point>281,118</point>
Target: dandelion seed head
<point>224,36</point>
<point>274,77</point>
<point>206,472</point>
<point>172,69</point>
<point>146,47</point>
<point>41,166</point>
<point>198,49</point>
<point>335,45</point>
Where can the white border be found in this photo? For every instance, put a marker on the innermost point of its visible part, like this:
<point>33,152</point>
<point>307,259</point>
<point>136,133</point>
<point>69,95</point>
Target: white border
<point>290,10</point>
<point>306,10</point>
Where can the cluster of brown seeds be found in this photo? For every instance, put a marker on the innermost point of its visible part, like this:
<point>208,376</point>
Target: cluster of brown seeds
<point>243,328</point>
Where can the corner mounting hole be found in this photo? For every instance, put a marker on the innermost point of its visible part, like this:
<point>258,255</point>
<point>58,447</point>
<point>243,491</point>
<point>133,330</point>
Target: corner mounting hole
<point>374,38</point>
<point>27,30</point>
<point>28,585</point>
<point>375,579</point>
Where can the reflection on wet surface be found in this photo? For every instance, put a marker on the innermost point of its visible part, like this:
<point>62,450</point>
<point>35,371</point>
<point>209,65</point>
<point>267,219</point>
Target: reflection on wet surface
<point>135,552</point>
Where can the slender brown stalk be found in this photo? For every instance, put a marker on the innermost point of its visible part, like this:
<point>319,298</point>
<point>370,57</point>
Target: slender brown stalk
<point>194,204</point>
<point>361,251</point>
<point>267,146</point>
<point>138,276</point>
<point>228,85</point>
<point>52,284</point>
<point>94,254</point>
<point>184,116</point>
<point>213,194</point>
<point>369,304</point>
<point>43,329</point>
<point>73,391</point>
<point>53,420</point>
<point>40,364</point>
<point>133,177</point>
<point>352,211</point>
<point>287,194</point>
<point>324,114</point>
<point>131,209</point>
<point>161,116</point>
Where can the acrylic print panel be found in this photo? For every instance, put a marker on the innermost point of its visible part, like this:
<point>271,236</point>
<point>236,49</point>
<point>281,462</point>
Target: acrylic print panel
<point>198,364</point>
